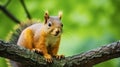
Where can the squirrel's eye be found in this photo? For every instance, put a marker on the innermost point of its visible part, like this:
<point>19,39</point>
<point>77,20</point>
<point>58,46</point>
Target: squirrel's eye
<point>62,25</point>
<point>49,24</point>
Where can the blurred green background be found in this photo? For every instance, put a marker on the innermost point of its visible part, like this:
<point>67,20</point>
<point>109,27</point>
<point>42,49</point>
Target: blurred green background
<point>88,24</point>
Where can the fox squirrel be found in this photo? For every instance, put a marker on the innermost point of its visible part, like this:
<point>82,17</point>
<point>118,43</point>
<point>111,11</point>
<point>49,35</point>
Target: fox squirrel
<point>43,38</point>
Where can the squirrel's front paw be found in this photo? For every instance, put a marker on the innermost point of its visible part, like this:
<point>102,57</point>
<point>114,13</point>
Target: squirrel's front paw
<point>48,58</point>
<point>37,51</point>
<point>59,56</point>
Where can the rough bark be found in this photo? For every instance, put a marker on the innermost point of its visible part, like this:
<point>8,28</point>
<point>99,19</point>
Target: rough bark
<point>87,59</point>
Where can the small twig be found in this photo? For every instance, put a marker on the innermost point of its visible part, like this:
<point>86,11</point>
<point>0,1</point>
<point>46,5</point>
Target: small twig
<point>7,3</point>
<point>24,6</point>
<point>7,13</point>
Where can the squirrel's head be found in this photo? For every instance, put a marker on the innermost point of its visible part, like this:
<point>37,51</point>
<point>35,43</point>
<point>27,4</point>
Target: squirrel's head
<point>53,24</point>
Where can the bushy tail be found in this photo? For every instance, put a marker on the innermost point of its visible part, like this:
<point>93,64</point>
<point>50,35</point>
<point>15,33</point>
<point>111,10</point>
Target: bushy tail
<point>15,34</point>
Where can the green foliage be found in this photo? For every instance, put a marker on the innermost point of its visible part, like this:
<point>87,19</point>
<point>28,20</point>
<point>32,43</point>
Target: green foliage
<point>88,24</point>
<point>3,62</point>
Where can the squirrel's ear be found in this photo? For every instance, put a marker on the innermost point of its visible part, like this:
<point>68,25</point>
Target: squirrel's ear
<point>46,16</point>
<point>60,15</point>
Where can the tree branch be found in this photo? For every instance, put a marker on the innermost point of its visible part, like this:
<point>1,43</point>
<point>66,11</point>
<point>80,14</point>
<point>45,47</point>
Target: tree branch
<point>96,56</point>
<point>7,13</point>
<point>24,6</point>
<point>88,59</point>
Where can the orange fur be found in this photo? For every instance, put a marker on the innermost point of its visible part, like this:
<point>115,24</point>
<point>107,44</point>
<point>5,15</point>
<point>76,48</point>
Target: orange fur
<point>26,39</point>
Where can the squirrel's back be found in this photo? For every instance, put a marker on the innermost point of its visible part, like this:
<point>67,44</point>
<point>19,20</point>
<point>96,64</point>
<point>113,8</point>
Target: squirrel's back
<point>35,27</point>
<point>30,32</point>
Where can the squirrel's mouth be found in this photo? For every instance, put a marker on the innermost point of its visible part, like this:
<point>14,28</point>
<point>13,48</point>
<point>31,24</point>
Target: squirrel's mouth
<point>56,34</point>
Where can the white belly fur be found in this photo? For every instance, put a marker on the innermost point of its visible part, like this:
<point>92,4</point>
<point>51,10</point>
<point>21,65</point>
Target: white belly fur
<point>51,40</point>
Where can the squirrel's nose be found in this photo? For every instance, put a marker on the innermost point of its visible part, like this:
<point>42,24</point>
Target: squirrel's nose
<point>57,32</point>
